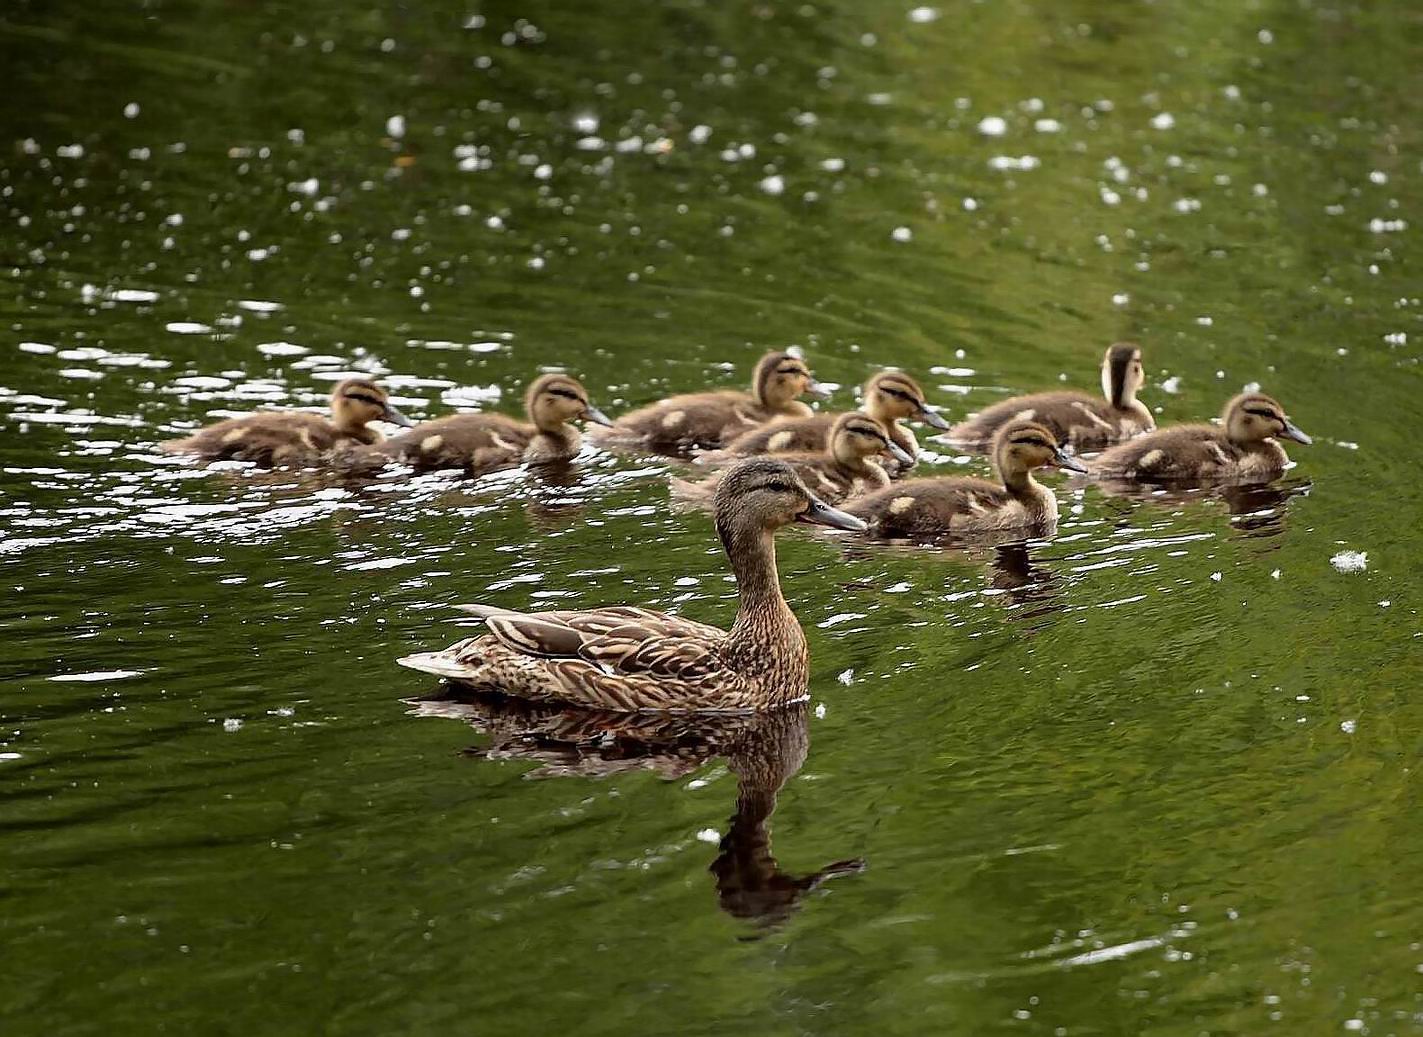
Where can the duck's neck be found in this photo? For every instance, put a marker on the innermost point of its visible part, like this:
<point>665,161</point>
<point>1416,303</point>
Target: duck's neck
<point>553,444</point>
<point>766,639</point>
<point>1117,388</point>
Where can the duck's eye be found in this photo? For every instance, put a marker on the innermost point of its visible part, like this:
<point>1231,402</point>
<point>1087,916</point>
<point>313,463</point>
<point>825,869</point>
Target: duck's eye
<point>780,487</point>
<point>364,398</point>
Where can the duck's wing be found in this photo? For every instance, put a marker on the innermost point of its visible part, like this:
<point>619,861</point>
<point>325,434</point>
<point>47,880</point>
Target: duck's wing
<point>1183,452</point>
<point>621,640</point>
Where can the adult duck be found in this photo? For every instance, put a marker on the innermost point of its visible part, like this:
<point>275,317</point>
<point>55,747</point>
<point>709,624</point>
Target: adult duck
<point>629,658</point>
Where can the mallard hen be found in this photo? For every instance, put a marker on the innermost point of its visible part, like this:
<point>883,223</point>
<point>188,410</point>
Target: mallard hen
<point>628,658</point>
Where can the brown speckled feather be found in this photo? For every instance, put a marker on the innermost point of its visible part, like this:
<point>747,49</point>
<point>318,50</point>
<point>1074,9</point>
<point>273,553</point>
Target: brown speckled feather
<point>1087,422</point>
<point>1187,453</point>
<point>800,435</point>
<point>269,439</point>
<point>925,507</point>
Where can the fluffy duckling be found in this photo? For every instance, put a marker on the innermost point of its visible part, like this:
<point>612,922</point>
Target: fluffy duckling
<point>845,468</point>
<point>295,437</point>
<point>708,419</point>
<point>629,659</point>
<point>889,397</point>
<point>927,507</point>
<point>1243,448</point>
<point>483,442</point>
<point>1087,422</point>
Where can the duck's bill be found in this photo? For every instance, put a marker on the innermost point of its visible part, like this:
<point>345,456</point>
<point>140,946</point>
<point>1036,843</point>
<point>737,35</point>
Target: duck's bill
<point>1296,433</point>
<point>899,453</point>
<point>814,388</point>
<point>596,416</point>
<point>932,419</point>
<point>1067,462</point>
<point>396,418</point>
<point>821,514</point>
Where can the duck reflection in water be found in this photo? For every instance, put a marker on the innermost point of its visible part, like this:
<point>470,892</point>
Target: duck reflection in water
<point>764,750</point>
<point>1256,509</point>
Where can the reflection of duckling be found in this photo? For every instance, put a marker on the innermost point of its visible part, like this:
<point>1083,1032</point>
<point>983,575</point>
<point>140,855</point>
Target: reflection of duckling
<point>764,750</point>
<point>926,507</point>
<point>628,658</point>
<point>707,419</point>
<point>889,397</point>
<point>295,437</point>
<point>843,470</point>
<point>1087,422</point>
<point>483,442</point>
<point>1242,449</point>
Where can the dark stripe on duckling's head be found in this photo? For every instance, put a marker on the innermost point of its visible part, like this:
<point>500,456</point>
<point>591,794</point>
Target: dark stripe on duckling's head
<point>1116,368</point>
<point>556,384</point>
<point>858,424</point>
<point>362,389</point>
<point>896,384</point>
<point>1021,445</point>
<point>770,366</point>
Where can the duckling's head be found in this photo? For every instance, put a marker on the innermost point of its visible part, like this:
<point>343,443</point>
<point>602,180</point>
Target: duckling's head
<point>762,494</point>
<point>1122,373</point>
<point>782,376</point>
<point>553,400</point>
<point>856,437</point>
<point>893,394</point>
<point>356,401</point>
<point>1253,416</point>
<point>1021,446</point>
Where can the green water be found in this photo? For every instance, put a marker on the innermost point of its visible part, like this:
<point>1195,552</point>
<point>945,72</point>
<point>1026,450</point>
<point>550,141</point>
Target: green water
<point>1156,775</point>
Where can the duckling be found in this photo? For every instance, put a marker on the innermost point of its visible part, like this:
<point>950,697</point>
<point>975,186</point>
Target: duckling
<point>482,442</point>
<point>708,419</point>
<point>1243,448</point>
<point>889,396</point>
<point>1085,421</point>
<point>921,507</point>
<point>628,659</point>
<point>295,437</point>
<point>844,468</point>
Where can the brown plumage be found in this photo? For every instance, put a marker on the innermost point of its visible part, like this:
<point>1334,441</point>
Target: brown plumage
<point>1086,422</point>
<point>931,507</point>
<point>295,437</point>
<point>1242,448</point>
<point>845,467</point>
<point>708,419</point>
<point>627,658</point>
<point>483,442</point>
<point>889,397</point>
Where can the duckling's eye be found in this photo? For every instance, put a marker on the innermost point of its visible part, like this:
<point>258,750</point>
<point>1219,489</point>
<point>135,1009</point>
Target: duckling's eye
<point>790,370</point>
<point>364,398</point>
<point>1263,414</point>
<point>565,393</point>
<point>899,394</point>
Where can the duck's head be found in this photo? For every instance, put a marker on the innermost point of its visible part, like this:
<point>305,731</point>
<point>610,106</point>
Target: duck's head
<point>782,376</point>
<point>1253,416</point>
<point>763,494</point>
<point>553,400</point>
<point>356,401</point>
<point>856,437</point>
<point>1021,446</point>
<point>893,394</point>
<point>1122,373</point>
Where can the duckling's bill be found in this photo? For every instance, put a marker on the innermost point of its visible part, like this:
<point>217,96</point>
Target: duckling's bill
<point>821,514</point>
<point>814,388</point>
<point>1062,459</point>
<point>1293,431</point>
<point>932,418</point>
<point>899,453</point>
<point>394,416</point>
<point>596,416</point>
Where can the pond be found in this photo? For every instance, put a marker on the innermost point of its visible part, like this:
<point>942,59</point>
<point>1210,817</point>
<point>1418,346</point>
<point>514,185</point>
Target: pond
<point>1158,773</point>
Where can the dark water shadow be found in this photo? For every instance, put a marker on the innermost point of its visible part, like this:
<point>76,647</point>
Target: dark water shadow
<point>764,751</point>
<point>1256,510</point>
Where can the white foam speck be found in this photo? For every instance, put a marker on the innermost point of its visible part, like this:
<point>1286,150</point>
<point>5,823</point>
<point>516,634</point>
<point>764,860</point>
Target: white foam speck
<point>700,134</point>
<point>133,295</point>
<point>924,15</point>
<point>95,675</point>
<point>187,327</point>
<point>709,835</point>
<point>773,184</point>
<point>395,126</point>
<point>259,305</point>
<point>902,234</point>
<point>378,563</point>
<point>281,349</point>
<point>1348,726</point>
<point>992,126</point>
<point>1350,561</point>
<point>1163,121</point>
<point>232,724</point>
<point>846,677</point>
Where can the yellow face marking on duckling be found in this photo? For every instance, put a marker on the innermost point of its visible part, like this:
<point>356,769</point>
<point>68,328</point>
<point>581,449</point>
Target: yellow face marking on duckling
<point>233,436</point>
<point>900,505</point>
<point>431,443</point>
<point>779,441</point>
<point>673,419</point>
